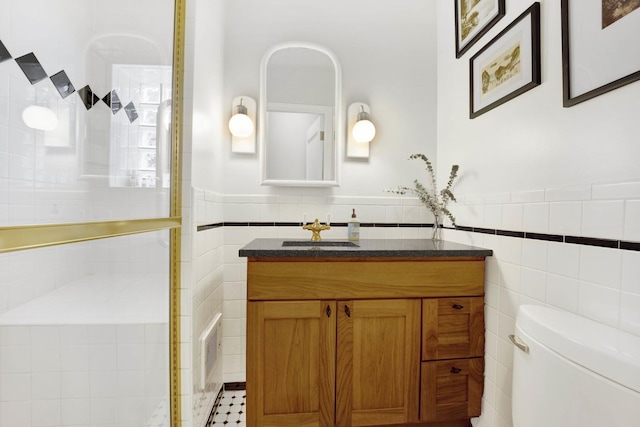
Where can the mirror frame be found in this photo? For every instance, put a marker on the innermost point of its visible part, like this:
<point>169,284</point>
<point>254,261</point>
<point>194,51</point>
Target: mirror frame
<point>338,117</point>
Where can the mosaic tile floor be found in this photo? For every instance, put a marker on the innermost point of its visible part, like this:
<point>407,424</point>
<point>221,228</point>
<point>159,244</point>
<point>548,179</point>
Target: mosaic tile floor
<point>230,411</point>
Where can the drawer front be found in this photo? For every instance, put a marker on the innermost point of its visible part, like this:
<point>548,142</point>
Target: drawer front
<point>452,328</point>
<point>451,389</point>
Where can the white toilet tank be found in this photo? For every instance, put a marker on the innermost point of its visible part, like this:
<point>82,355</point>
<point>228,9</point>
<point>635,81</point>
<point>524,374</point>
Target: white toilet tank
<point>569,371</point>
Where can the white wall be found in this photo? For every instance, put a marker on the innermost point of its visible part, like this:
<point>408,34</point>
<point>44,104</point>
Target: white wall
<point>387,55</point>
<point>202,252</point>
<point>533,142</point>
<point>531,165</point>
<point>209,105</point>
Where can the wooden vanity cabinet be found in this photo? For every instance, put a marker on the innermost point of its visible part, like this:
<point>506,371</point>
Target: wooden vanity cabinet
<point>452,372</point>
<point>345,344</point>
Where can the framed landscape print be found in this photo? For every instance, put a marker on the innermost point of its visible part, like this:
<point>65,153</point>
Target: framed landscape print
<point>508,66</point>
<point>473,19</point>
<point>600,47</point>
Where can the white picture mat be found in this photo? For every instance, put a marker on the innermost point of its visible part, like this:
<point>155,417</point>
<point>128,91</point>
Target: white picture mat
<point>594,53</point>
<point>521,31</point>
<point>490,9</point>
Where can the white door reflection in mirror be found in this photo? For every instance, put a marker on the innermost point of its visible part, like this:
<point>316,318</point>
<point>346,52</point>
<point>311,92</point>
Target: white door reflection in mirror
<point>300,106</point>
<point>315,149</point>
<point>298,148</point>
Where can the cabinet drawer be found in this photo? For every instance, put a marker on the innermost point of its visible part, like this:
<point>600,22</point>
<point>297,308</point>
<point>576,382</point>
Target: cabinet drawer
<point>451,389</point>
<point>452,328</point>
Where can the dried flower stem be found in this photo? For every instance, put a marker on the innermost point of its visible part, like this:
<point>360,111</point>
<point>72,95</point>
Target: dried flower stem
<point>435,201</point>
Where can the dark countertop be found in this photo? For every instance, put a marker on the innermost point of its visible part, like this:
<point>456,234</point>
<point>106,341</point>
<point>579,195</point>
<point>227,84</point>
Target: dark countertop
<point>384,248</point>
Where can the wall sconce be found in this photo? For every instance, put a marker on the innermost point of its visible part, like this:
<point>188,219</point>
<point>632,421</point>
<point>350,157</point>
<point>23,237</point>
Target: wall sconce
<point>360,130</point>
<point>242,125</point>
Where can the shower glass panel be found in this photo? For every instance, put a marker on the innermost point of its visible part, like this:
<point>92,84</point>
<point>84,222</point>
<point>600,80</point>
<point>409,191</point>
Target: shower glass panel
<point>84,334</point>
<point>86,90</point>
<point>85,110</point>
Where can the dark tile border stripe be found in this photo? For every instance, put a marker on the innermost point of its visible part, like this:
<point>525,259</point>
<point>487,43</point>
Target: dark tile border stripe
<point>576,240</point>
<point>235,386</point>
<point>508,233</point>
<point>208,226</point>
<point>285,224</point>
<point>262,224</point>
<point>589,241</point>
<point>545,237</point>
<point>484,230</point>
<point>632,246</point>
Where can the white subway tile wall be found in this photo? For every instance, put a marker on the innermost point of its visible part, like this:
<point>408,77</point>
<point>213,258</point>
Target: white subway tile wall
<point>604,219</point>
<point>203,286</point>
<point>565,218</point>
<point>632,220</point>
<point>596,282</point>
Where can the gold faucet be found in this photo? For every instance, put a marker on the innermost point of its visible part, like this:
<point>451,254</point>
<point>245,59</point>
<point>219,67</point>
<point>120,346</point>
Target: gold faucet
<point>316,228</point>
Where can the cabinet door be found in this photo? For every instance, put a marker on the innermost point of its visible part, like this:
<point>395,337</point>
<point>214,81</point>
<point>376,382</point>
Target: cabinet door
<point>452,328</point>
<point>451,389</point>
<point>378,362</point>
<point>291,363</point>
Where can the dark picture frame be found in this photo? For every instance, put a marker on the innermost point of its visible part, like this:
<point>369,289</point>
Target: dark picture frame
<point>589,69</point>
<point>477,20</point>
<point>508,65</point>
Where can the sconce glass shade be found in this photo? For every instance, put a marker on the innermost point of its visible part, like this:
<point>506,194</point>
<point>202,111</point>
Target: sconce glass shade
<point>240,124</point>
<point>364,130</point>
<point>40,118</point>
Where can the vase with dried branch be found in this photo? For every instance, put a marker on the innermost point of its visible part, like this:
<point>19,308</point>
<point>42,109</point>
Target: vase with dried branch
<point>434,200</point>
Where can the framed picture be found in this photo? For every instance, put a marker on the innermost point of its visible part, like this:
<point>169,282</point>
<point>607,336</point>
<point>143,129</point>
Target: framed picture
<point>473,19</point>
<point>508,66</point>
<point>599,47</point>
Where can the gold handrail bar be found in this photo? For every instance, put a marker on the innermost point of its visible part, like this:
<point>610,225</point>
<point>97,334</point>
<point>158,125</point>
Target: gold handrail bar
<point>21,237</point>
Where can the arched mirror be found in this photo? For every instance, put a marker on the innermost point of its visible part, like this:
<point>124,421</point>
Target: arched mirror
<point>300,115</point>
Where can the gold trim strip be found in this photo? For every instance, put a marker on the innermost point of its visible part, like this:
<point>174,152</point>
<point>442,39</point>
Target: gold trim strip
<point>17,238</point>
<point>175,386</point>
